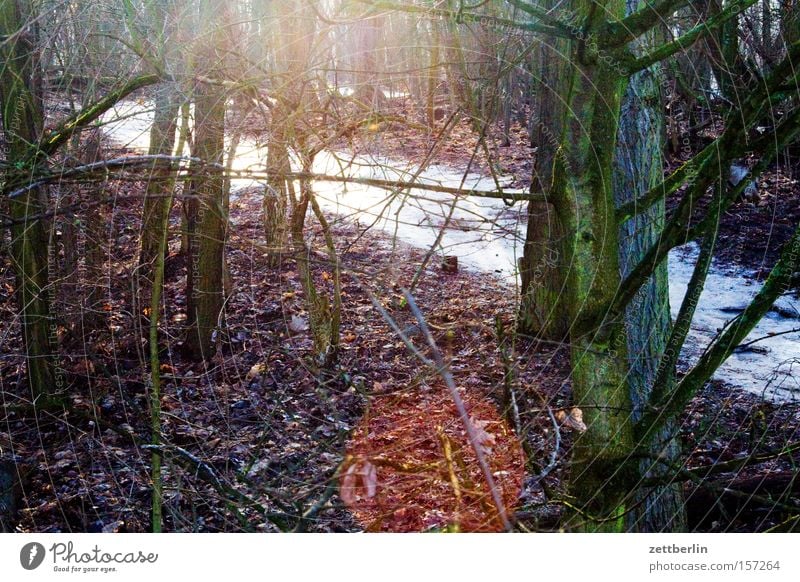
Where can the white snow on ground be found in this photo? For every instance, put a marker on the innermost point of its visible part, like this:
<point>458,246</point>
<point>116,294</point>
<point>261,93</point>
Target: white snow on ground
<point>772,365</point>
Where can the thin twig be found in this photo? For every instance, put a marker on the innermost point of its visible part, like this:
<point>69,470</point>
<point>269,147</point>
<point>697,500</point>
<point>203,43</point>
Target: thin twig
<point>462,411</point>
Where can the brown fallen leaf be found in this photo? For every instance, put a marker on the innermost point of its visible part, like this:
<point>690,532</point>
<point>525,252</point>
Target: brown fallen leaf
<point>484,439</point>
<point>359,481</point>
<point>573,420</point>
<point>255,371</point>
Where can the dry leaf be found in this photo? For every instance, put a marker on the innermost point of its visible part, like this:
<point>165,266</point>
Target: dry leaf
<point>484,439</point>
<point>573,420</point>
<point>360,480</point>
<point>255,371</point>
<point>347,486</point>
<point>298,324</point>
<point>370,478</point>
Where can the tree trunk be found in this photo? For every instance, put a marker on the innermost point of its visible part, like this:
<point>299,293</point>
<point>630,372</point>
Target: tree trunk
<point>584,199</point>
<point>542,312</point>
<point>22,123</point>
<point>159,184</point>
<point>728,63</point>
<point>433,75</point>
<point>368,90</point>
<point>90,250</point>
<point>790,21</point>
<point>638,167</point>
<point>208,239</point>
<point>291,43</point>
<point>276,194</point>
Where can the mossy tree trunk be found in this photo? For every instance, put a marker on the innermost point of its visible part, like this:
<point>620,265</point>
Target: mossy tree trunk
<point>159,184</point>
<point>158,200</point>
<point>22,124</point>
<point>727,62</point>
<point>583,195</point>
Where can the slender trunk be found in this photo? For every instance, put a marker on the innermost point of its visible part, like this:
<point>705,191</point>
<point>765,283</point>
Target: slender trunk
<point>90,250</point>
<point>292,40</point>
<point>542,311</point>
<point>159,184</point>
<point>727,61</point>
<point>276,194</point>
<point>205,270</point>
<point>184,141</point>
<point>155,363</point>
<point>368,90</point>
<point>208,238</point>
<point>433,75</point>
<point>157,203</point>
<point>83,230</point>
<point>790,21</point>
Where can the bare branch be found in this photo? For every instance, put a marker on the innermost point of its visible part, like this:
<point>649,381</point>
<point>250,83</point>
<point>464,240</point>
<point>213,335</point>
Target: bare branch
<point>460,16</point>
<point>672,402</point>
<point>640,22</point>
<point>88,114</point>
<point>690,37</point>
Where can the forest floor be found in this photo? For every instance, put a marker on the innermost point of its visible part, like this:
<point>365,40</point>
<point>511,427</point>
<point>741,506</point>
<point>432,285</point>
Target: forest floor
<point>259,416</point>
<point>257,434</point>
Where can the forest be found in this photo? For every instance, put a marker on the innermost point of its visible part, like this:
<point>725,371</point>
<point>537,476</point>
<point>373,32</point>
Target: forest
<point>400,266</point>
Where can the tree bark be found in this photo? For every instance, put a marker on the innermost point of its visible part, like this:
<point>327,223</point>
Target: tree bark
<point>584,199</point>
<point>159,184</point>
<point>638,167</point>
<point>276,194</point>
<point>22,123</point>
<point>542,312</point>
<point>92,252</point>
<point>208,239</point>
